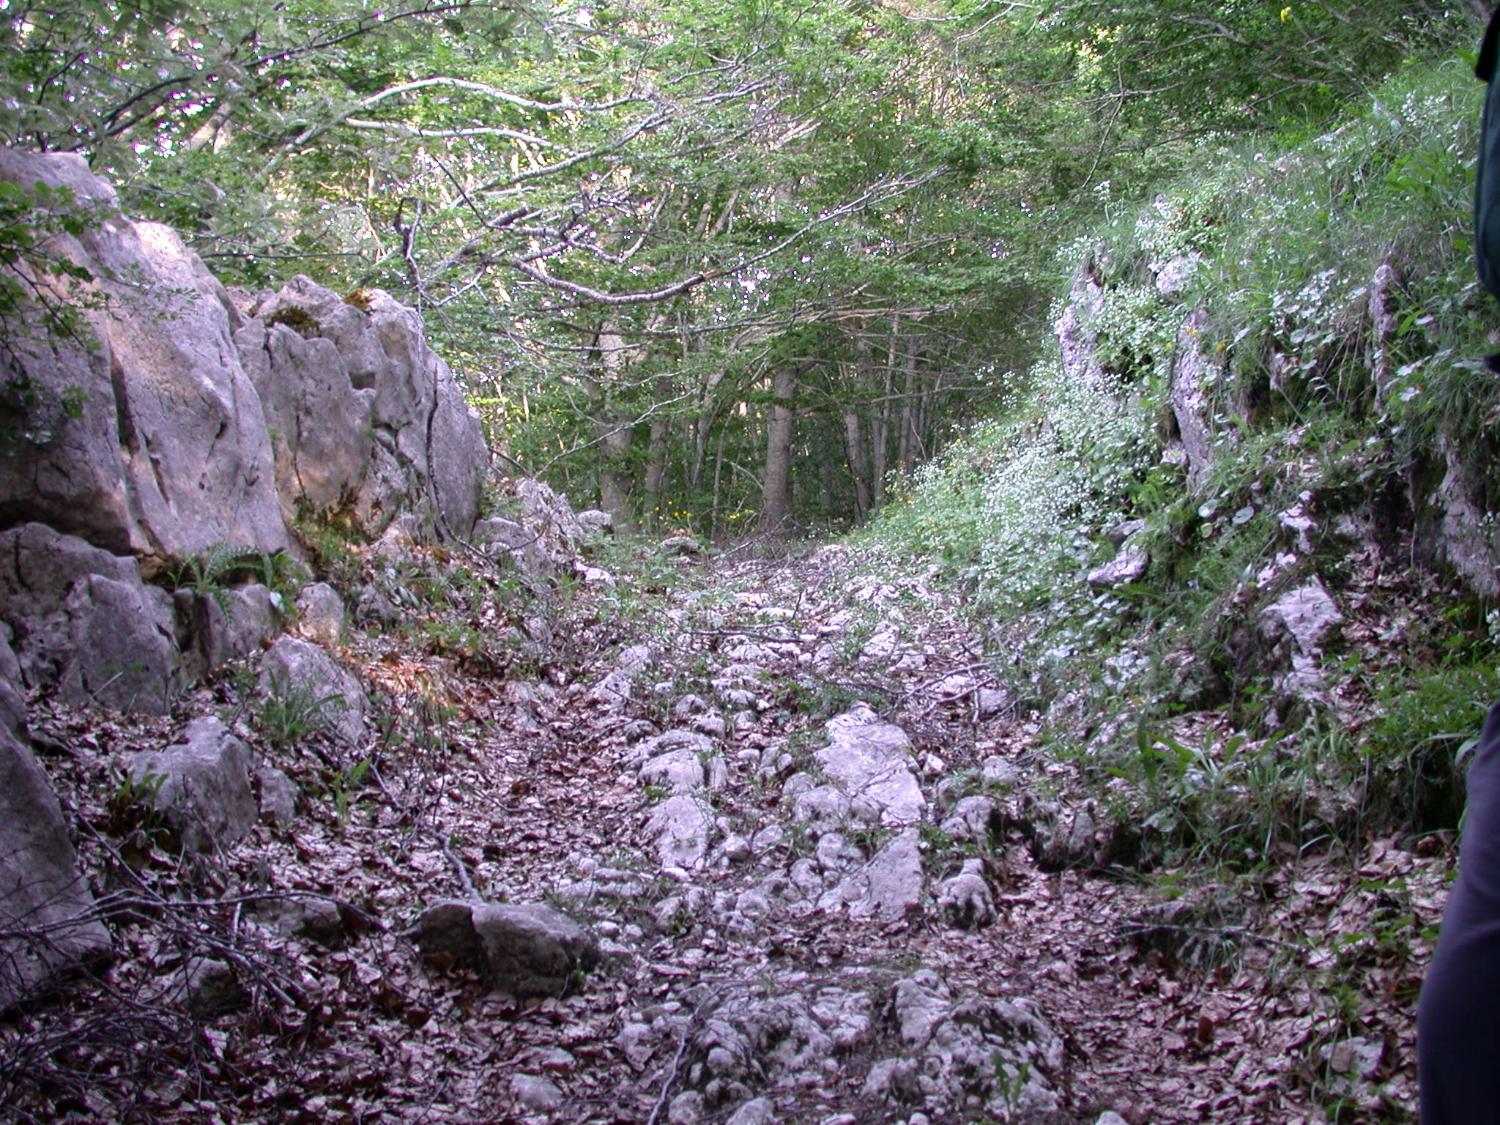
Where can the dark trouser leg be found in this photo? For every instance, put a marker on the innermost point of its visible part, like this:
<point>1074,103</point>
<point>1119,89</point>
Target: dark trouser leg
<point>1458,1018</point>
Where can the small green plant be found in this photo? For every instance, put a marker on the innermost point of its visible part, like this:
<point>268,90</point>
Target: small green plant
<point>213,571</point>
<point>132,804</point>
<point>349,779</point>
<point>291,712</point>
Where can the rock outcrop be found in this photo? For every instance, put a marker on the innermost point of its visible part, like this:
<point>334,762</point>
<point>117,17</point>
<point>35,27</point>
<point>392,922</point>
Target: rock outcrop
<point>366,420</point>
<point>47,921</point>
<point>165,450</point>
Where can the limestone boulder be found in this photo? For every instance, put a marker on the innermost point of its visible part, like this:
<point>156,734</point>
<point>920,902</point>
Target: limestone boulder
<point>1129,565</point>
<point>556,532</point>
<point>965,900</point>
<point>888,888</point>
<point>143,433</point>
<point>320,614</point>
<point>367,419</point>
<point>961,1056</point>
<point>1294,629</point>
<point>83,623</point>
<point>1466,537</point>
<point>871,761</point>
<point>201,784</point>
<point>680,827</point>
<point>47,921</point>
<point>1077,331</point>
<point>528,950</point>
<point>299,673</point>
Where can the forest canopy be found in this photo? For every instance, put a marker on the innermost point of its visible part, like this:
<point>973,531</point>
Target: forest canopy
<point>709,263</point>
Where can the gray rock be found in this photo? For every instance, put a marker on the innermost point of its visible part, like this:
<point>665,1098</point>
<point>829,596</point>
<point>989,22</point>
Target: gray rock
<point>169,453</point>
<point>1192,374</point>
<point>204,785</point>
<point>686,1108</point>
<point>522,950</point>
<point>596,524</point>
<point>757,1111</point>
<point>779,1038</point>
<point>300,671</point>
<point>12,702</point>
<point>690,742</point>
<point>975,819</point>
<point>1129,565</point>
<point>995,702</point>
<point>613,692</point>
<point>47,921</point>
<point>229,625</point>
<point>870,761</point>
<point>320,614</point>
<point>1173,277</point>
<point>680,827</point>
<point>277,795</point>
<point>681,546</point>
<point>558,523</point>
<point>1293,628</point>
<point>895,1080</point>
<point>372,607</point>
<point>393,434</point>
<point>536,1093</point>
<point>211,987</point>
<point>637,1043</point>
<point>84,623</point>
<point>965,900</point>
<point>996,770</point>
<point>678,771</point>
<point>888,888</point>
<point>1467,537</point>
<point>1077,331</point>
<point>1061,835</point>
<point>498,536</point>
<point>1297,523</point>
<point>318,919</point>
<point>919,1004</point>
<point>1384,309</point>
<point>822,807</point>
<point>967,1056</point>
<point>1118,533</point>
<point>737,849</point>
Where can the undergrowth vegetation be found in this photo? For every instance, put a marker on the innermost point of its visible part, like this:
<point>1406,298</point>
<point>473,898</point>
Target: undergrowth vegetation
<point>1261,375</point>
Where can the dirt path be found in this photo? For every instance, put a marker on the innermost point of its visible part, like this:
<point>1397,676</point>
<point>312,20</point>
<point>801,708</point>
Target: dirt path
<point>801,814</point>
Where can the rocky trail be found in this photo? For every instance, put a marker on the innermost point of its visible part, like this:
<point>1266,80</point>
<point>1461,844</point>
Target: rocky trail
<point>765,840</point>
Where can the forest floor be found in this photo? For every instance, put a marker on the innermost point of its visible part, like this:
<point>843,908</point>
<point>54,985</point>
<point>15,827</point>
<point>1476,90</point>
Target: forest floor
<point>777,956</point>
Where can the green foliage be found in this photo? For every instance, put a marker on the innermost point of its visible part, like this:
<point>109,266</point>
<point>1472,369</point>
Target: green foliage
<point>214,570</point>
<point>346,783</point>
<point>331,547</point>
<point>292,712</point>
<point>132,806</point>
<point>1418,745</point>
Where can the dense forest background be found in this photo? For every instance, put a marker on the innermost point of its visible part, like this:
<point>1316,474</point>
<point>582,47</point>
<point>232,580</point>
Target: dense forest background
<point>711,265</point>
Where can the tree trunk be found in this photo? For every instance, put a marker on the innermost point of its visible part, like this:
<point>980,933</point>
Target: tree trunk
<point>880,425</point>
<point>612,428</point>
<point>854,450</point>
<point>656,457</point>
<point>776,495</point>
